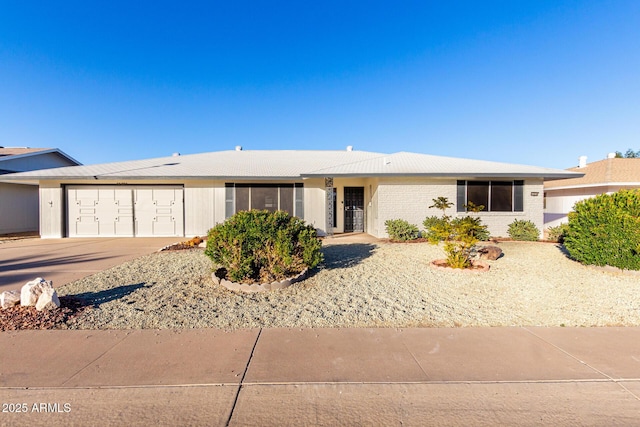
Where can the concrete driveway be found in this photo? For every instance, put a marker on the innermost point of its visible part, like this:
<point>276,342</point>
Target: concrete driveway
<point>66,260</point>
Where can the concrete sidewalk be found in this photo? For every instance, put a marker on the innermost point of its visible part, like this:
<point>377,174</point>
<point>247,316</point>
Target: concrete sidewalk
<point>468,376</point>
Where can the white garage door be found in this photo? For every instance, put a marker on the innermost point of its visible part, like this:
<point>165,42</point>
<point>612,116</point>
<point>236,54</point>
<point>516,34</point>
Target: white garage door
<point>112,211</point>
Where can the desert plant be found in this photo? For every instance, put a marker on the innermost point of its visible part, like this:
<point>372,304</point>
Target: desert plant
<point>460,235</point>
<point>557,233</point>
<point>523,230</point>
<point>432,222</point>
<point>475,227</point>
<point>263,246</point>
<point>458,239</point>
<point>400,230</point>
<point>605,230</point>
<point>441,203</point>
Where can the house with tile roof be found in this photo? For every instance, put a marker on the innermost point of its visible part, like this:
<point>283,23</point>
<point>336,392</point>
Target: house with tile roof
<point>19,201</point>
<point>337,191</point>
<point>604,176</point>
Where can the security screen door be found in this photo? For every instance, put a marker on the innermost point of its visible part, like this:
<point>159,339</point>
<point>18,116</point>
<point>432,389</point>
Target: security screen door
<point>353,209</point>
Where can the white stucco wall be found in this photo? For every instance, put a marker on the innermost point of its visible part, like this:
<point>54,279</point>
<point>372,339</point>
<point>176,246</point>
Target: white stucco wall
<point>200,207</point>
<point>18,208</point>
<point>51,210</point>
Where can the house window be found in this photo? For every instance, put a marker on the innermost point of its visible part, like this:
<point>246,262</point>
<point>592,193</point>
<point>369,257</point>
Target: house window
<point>272,197</point>
<point>495,196</point>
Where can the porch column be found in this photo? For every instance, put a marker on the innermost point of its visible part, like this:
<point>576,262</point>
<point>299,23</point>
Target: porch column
<point>329,213</point>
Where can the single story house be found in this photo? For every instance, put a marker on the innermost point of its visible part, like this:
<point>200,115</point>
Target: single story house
<point>335,191</point>
<point>604,176</point>
<point>18,201</point>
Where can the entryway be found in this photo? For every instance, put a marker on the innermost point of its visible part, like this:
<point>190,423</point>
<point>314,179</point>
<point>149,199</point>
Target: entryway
<point>353,209</point>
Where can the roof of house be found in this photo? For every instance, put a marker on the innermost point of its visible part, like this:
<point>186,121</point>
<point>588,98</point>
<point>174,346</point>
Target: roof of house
<point>17,151</point>
<point>611,171</point>
<point>293,164</point>
<point>12,153</point>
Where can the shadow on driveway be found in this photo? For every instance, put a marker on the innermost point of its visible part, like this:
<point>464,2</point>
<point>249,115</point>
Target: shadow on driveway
<point>39,261</point>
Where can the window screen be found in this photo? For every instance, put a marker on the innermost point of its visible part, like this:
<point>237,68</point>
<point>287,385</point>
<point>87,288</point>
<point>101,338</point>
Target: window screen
<point>501,196</point>
<point>478,193</point>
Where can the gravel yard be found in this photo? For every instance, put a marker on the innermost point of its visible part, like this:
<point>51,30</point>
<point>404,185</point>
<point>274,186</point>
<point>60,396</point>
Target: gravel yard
<point>363,285</point>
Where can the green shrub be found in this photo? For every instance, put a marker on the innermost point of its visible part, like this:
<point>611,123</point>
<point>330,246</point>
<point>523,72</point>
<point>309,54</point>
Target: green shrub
<point>523,230</point>
<point>400,230</point>
<point>605,230</point>
<point>475,227</point>
<point>262,246</point>
<point>433,222</point>
<point>557,233</point>
<point>434,225</point>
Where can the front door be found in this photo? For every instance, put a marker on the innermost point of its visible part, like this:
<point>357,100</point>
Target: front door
<point>353,209</point>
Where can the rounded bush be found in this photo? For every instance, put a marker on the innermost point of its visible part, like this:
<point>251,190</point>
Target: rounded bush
<point>605,230</point>
<point>400,230</point>
<point>262,247</point>
<point>523,230</point>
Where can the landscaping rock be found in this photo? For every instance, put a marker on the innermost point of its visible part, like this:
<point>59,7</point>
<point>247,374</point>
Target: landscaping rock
<point>491,253</point>
<point>9,299</point>
<point>31,291</point>
<point>48,300</point>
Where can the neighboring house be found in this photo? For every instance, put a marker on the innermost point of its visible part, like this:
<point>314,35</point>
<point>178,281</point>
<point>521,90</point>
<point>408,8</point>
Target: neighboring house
<point>605,176</point>
<point>335,191</point>
<point>19,201</point>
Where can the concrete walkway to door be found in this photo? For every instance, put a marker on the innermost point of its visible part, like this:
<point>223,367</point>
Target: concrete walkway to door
<point>66,260</point>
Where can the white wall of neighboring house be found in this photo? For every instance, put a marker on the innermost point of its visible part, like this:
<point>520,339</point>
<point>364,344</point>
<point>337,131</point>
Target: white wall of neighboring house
<point>559,202</point>
<point>18,208</point>
<point>19,203</point>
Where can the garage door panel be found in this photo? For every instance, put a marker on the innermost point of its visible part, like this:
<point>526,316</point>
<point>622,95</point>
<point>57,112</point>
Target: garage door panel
<point>158,212</point>
<point>87,226</point>
<point>124,211</point>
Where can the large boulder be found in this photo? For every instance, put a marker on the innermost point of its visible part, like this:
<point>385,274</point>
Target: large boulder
<point>490,252</point>
<point>48,300</point>
<point>9,299</point>
<point>32,290</point>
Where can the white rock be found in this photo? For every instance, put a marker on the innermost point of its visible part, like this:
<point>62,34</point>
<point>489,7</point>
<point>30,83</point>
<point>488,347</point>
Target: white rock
<point>48,300</point>
<point>31,291</point>
<point>9,299</point>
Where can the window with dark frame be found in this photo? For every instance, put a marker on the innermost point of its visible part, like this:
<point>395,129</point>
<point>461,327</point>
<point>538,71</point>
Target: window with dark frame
<point>495,196</point>
<point>272,197</point>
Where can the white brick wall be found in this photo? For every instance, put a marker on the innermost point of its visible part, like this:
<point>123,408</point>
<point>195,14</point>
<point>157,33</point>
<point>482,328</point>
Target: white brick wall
<point>410,198</point>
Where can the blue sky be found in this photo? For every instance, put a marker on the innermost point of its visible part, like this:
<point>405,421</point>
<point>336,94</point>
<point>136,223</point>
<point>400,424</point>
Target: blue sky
<point>534,82</point>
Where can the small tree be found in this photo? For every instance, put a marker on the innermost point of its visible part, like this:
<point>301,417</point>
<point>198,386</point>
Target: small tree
<point>460,235</point>
<point>441,203</point>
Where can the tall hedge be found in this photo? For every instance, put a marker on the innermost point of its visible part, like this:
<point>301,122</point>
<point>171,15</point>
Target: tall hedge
<point>605,230</point>
<point>262,246</point>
